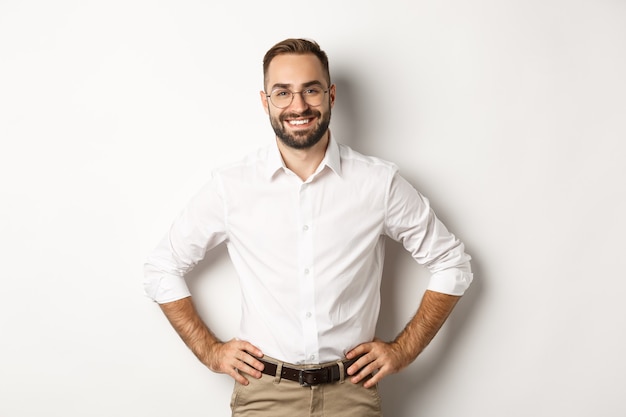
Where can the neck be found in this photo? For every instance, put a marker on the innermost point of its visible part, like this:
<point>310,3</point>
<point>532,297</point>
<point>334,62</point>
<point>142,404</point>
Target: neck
<point>304,162</point>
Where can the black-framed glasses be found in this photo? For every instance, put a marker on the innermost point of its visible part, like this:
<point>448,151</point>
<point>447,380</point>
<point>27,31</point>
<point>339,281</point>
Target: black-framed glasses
<point>282,97</point>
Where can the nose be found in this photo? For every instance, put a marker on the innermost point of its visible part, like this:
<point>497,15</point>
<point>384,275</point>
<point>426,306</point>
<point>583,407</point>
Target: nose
<point>298,103</point>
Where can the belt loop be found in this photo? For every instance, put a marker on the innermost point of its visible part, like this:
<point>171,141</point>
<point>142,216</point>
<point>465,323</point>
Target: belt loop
<point>279,372</point>
<point>342,373</point>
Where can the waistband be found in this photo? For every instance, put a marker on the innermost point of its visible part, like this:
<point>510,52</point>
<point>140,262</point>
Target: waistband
<point>308,375</point>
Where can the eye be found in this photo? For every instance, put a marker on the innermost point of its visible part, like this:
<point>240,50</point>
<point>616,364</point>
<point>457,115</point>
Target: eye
<point>313,91</point>
<point>281,93</point>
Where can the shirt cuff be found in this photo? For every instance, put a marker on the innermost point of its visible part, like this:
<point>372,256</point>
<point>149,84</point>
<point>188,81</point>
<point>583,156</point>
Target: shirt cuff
<point>162,287</point>
<point>451,281</point>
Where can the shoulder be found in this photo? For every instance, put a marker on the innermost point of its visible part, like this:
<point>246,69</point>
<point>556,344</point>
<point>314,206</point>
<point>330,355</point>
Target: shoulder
<point>356,160</point>
<point>253,163</point>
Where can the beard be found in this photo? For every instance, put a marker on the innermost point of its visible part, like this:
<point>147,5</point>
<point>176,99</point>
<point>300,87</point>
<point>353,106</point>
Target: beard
<point>304,139</point>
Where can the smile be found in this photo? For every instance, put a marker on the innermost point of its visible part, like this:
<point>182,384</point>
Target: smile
<point>298,122</point>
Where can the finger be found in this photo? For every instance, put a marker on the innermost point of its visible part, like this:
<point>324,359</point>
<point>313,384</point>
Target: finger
<point>244,367</point>
<point>374,379</point>
<point>371,373</point>
<point>357,351</point>
<point>250,353</point>
<point>251,349</point>
<point>238,377</point>
<point>249,364</point>
<point>243,360</point>
<point>365,372</point>
<point>253,363</point>
<point>361,350</point>
<point>363,366</point>
<point>367,356</point>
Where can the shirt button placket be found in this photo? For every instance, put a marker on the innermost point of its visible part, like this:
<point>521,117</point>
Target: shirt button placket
<point>306,276</point>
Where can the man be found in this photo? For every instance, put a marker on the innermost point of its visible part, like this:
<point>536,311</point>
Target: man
<point>305,222</point>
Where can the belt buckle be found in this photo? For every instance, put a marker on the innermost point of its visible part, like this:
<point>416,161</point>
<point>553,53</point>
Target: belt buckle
<point>301,374</point>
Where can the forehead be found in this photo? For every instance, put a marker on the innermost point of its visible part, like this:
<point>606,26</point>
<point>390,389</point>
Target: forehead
<point>294,69</point>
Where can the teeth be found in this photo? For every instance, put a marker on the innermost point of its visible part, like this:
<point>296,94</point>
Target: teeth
<point>299,122</point>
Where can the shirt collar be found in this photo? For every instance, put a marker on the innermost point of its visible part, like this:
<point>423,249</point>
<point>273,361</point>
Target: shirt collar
<point>332,159</point>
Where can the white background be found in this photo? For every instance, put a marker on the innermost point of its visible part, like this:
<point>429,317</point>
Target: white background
<point>509,115</point>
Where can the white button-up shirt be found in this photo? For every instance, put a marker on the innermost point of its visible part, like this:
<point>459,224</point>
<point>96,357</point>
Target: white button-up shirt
<point>309,254</point>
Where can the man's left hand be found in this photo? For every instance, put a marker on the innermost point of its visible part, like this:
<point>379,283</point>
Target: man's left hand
<point>380,357</point>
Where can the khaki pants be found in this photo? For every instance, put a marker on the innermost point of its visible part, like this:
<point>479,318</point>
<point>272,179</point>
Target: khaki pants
<point>272,396</point>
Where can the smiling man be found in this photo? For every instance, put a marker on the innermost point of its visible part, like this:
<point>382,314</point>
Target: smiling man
<point>305,223</point>
<point>299,118</point>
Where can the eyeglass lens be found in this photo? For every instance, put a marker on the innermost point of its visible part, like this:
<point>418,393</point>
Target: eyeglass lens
<point>282,98</point>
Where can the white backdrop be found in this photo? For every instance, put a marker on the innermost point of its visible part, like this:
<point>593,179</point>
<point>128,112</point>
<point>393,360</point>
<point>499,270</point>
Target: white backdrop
<point>509,115</point>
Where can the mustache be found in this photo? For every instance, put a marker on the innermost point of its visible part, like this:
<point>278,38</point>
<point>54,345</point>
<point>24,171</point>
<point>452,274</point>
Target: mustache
<point>306,113</point>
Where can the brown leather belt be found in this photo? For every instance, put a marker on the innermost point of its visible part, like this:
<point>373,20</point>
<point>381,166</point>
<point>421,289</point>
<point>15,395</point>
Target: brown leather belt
<point>309,377</point>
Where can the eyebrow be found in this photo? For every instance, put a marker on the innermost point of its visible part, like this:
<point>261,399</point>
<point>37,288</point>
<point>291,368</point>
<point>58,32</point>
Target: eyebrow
<point>305,85</point>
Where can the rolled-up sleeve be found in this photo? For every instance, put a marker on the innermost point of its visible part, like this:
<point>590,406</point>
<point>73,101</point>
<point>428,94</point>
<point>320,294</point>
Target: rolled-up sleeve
<point>199,228</point>
<point>411,221</point>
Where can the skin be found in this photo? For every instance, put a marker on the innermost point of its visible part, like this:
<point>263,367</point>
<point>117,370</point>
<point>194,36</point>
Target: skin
<point>386,358</point>
<point>303,156</point>
<point>222,357</point>
<point>296,72</point>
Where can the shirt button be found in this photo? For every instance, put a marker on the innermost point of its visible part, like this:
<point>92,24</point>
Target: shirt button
<point>312,357</point>
<point>308,315</point>
<point>305,227</point>
<point>306,271</point>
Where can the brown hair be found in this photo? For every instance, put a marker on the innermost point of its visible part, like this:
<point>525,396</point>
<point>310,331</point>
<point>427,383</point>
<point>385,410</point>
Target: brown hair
<point>295,46</point>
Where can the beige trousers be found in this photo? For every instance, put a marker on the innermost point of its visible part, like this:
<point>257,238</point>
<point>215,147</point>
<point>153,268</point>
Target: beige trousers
<point>272,396</point>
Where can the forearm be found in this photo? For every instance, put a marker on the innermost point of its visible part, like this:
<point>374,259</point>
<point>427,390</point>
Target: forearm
<point>430,316</point>
<point>192,330</point>
<point>225,357</point>
<point>383,358</point>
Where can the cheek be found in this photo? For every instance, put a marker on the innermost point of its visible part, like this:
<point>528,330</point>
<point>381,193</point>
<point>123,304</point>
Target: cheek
<point>275,119</point>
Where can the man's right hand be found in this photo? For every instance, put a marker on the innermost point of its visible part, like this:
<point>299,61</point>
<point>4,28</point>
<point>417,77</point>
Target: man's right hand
<point>234,357</point>
<point>224,357</point>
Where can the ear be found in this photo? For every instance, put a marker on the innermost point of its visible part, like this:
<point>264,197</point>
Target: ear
<point>264,101</point>
<point>332,93</point>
